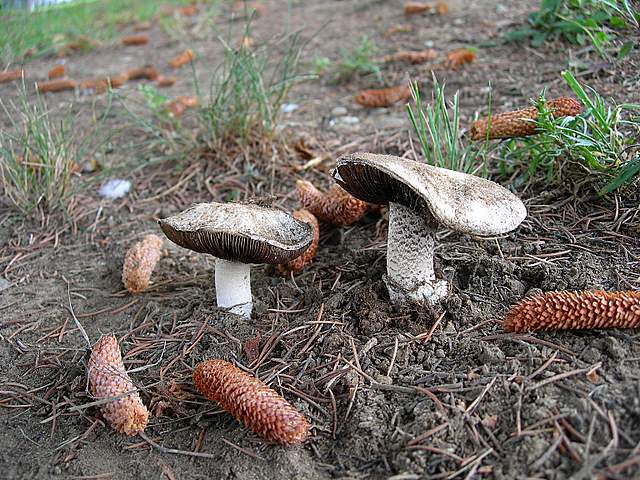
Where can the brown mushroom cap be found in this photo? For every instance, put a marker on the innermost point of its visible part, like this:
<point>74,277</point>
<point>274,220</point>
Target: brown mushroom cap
<point>239,232</point>
<point>459,201</point>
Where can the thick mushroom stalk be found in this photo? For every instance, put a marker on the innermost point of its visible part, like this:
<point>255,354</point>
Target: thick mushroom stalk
<point>410,249</point>
<point>422,197</point>
<point>233,287</point>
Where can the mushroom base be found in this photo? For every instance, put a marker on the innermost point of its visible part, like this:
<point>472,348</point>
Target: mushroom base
<point>410,249</point>
<point>431,292</point>
<point>233,287</point>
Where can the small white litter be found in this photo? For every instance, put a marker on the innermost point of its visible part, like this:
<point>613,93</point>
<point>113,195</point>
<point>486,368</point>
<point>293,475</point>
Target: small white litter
<point>348,120</point>
<point>339,112</point>
<point>4,284</point>
<point>115,188</point>
<point>289,107</point>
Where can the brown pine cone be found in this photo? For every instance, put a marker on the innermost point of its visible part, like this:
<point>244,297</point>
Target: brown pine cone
<point>521,123</point>
<point>297,264</point>
<point>251,402</point>
<point>336,206</point>
<point>139,263</point>
<point>383,97</point>
<point>56,85</point>
<point>108,378</point>
<point>182,59</point>
<point>574,311</point>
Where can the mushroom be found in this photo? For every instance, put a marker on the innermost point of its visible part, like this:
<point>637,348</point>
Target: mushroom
<point>238,235</point>
<point>420,198</point>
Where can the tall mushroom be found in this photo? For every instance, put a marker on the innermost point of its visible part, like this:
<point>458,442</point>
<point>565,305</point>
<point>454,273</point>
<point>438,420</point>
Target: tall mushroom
<point>238,235</point>
<point>420,198</point>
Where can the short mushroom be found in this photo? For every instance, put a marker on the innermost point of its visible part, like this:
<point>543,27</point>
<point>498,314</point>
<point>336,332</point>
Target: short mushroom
<point>238,235</point>
<point>420,198</point>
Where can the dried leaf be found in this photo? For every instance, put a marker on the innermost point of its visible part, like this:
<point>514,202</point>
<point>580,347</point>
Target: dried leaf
<point>459,57</point>
<point>238,6</point>
<point>246,42</point>
<point>80,43</point>
<point>141,26</point>
<point>252,348</point>
<point>178,106</point>
<point>305,152</point>
<point>416,8</point>
<point>99,85</point>
<point>187,10</point>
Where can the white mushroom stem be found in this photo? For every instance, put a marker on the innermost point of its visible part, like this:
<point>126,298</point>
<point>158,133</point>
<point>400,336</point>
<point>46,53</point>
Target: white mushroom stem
<point>410,248</point>
<point>233,287</point>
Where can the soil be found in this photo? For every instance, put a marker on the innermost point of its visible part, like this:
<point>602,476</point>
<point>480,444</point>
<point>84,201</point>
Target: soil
<point>391,392</point>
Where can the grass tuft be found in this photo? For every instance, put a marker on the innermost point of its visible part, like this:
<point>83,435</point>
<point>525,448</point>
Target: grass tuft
<point>602,141</point>
<point>241,109</point>
<point>579,22</point>
<point>358,61</point>
<point>248,91</point>
<point>46,29</point>
<point>38,156</point>
<point>437,126</point>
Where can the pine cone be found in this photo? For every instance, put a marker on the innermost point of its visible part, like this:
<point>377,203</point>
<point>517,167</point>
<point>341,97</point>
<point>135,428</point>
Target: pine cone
<point>297,264</point>
<point>383,97</point>
<point>251,401</point>
<point>337,206</point>
<point>139,263</point>
<point>166,81</point>
<point>118,80</point>
<point>100,85</point>
<point>108,378</point>
<point>134,40</point>
<point>416,8</point>
<point>412,57</point>
<point>574,311</point>
<point>142,73</point>
<point>521,123</point>
<point>56,85</point>
<point>182,59</point>
<point>11,75</point>
<point>57,71</point>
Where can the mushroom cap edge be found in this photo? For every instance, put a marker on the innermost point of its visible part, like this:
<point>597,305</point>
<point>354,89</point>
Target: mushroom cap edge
<point>245,233</point>
<point>459,201</point>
